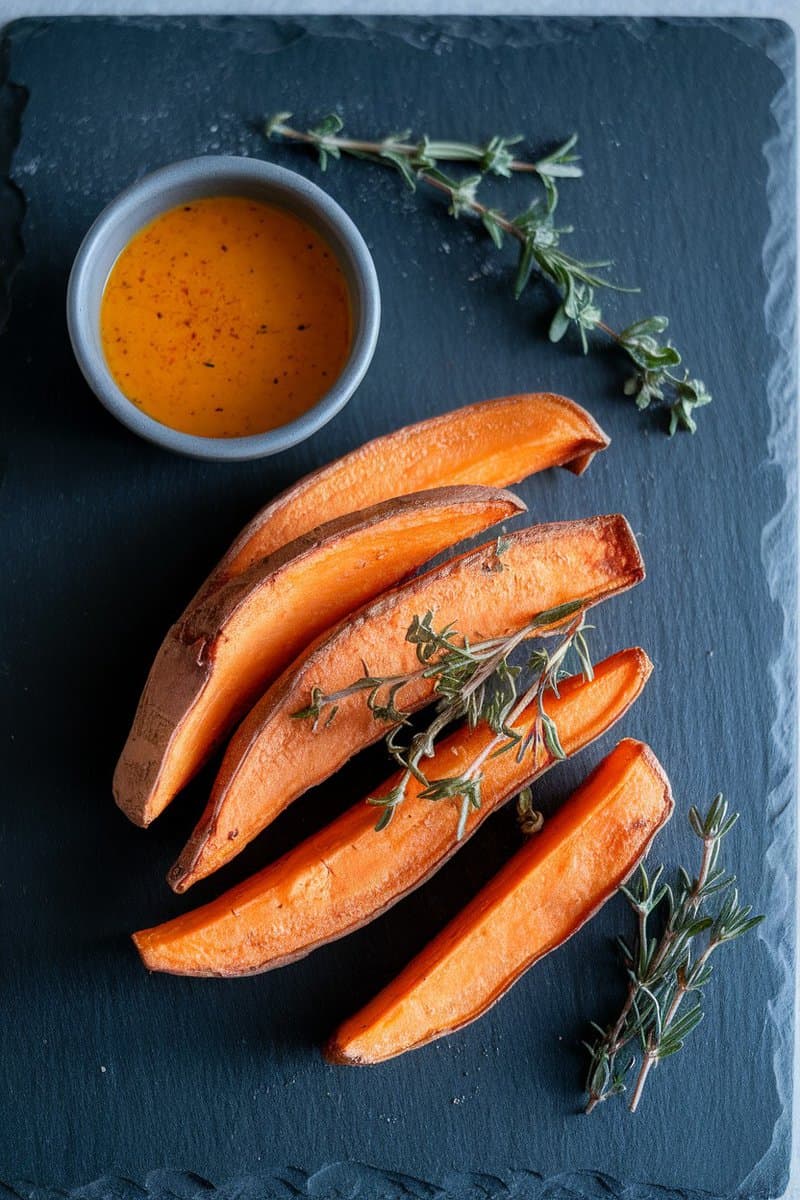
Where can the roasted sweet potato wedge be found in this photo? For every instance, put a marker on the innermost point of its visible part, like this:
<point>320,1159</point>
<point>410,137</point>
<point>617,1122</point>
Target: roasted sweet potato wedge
<point>540,898</point>
<point>494,442</point>
<point>273,758</point>
<point>220,657</point>
<point>349,873</point>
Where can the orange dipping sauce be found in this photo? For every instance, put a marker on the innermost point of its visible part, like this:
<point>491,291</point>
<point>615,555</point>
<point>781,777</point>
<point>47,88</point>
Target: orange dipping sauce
<point>226,317</point>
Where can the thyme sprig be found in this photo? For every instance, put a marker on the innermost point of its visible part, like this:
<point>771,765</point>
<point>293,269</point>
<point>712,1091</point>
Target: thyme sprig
<point>475,681</point>
<point>662,972</point>
<point>539,240</point>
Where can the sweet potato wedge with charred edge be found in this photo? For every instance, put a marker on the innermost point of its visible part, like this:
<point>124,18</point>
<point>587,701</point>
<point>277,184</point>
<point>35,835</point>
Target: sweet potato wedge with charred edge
<point>541,897</point>
<point>494,442</point>
<point>348,873</point>
<point>217,660</point>
<point>273,758</point>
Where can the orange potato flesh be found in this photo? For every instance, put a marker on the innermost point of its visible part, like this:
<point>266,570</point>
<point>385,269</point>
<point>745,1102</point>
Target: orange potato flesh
<point>223,653</point>
<point>554,884</point>
<point>494,442</point>
<point>348,874</point>
<point>273,757</point>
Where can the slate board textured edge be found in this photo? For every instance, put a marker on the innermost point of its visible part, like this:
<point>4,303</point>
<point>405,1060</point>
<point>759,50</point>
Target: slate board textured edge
<point>779,255</point>
<point>12,204</point>
<point>360,1180</point>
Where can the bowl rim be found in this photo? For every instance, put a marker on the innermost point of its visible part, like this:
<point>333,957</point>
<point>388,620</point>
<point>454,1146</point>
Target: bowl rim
<point>351,249</point>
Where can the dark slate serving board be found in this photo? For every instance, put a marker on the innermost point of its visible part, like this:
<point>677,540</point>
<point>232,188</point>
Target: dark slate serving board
<point>186,1086</point>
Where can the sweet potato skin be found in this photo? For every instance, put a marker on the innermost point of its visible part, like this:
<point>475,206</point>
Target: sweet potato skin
<point>494,443</point>
<point>482,594</point>
<point>348,874</point>
<point>222,654</point>
<point>543,895</point>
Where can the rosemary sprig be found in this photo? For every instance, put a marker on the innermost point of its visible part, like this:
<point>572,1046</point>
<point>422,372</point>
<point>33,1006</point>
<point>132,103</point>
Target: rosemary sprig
<point>475,681</point>
<point>663,972</point>
<point>539,240</point>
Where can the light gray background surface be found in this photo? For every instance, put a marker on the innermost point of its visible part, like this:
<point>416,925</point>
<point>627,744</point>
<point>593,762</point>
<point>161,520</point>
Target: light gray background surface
<point>788,10</point>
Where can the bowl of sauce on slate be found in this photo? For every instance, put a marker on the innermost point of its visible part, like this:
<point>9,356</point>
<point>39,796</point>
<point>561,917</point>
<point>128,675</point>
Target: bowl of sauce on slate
<point>224,308</point>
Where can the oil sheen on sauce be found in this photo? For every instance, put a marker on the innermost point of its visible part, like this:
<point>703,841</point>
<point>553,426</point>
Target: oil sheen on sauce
<point>225,317</point>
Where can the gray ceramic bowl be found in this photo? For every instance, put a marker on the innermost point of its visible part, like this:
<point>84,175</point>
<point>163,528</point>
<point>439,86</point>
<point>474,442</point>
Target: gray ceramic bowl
<point>214,176</point>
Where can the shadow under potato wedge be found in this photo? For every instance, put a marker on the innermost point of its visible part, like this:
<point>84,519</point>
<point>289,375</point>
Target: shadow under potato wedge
<point>544,894</point>
<point>493,442</point>
<point>349,873</point>
<point>274,757</point>
<point>220,656</point>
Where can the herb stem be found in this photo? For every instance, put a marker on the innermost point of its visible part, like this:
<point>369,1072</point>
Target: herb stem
<point>650,1058</point>
<point>490,653</point>
<point>445,151</point>
<point>488,750</point>
<point>503,648</point>
<point>617,1040</point>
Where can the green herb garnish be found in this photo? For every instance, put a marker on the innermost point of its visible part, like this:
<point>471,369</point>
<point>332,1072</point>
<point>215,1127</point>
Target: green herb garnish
<point>539,240</point>
<point>663,972</point>
<point>473,681</point>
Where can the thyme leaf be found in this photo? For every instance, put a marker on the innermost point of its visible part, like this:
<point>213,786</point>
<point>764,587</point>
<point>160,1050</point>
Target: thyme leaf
<point>541,253</point>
